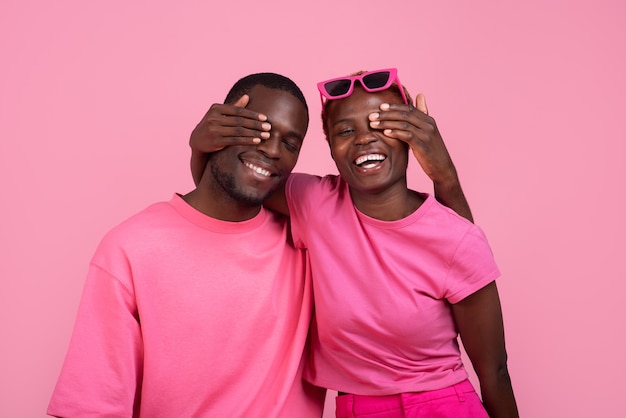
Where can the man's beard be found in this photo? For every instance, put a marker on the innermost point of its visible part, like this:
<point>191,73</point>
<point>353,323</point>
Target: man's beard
<point>228,183</point>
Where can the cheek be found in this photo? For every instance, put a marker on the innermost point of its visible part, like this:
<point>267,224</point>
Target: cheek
<point>337,152</point>
<point>290,160</point>
<point>404,159</point>
<point>400,148</point>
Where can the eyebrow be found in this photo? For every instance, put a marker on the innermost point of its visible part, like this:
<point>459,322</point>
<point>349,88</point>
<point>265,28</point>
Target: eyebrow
<point>296,134</point>
<point>342,120</point>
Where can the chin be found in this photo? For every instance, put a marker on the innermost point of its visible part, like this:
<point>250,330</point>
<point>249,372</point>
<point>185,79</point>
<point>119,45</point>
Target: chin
<point>249,197</point>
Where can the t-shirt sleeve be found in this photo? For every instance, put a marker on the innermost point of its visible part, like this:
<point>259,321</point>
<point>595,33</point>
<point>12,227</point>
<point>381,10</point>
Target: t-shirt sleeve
<point>472,267</point>
<point>301,191</point>
<point>102,371</point>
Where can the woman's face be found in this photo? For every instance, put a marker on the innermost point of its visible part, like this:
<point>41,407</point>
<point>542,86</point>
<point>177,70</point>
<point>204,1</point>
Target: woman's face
<point>368,161</point>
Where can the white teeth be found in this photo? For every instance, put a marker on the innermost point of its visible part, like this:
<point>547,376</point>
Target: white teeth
<point>369,157</point>
<point>258,169</point>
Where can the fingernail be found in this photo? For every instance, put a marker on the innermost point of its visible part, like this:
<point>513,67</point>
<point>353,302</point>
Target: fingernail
<point>265,135</point>
<point>262,117</point>
<point>387,131</point>
<point>374,123</point>
<point>384,106</point>
<point>266,126</point>
<point>374,116</point>
<point>256,140</point>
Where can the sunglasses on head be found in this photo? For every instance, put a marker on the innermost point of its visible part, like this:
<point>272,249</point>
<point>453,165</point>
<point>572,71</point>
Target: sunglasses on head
<point>371,81</point>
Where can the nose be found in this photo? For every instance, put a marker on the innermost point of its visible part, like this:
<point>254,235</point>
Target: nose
<point>271,146</point>
<point>365,137</point>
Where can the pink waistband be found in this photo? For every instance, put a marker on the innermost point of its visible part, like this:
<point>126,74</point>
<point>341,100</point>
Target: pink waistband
<point>363,404</point>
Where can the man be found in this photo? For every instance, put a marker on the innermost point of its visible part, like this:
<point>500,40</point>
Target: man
<point>199,306</point>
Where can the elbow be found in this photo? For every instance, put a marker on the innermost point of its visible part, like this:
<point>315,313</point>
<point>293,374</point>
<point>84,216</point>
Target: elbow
<point>497,372</point>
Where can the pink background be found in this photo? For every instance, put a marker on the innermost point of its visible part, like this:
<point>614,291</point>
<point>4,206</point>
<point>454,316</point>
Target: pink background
<point>97,101</point>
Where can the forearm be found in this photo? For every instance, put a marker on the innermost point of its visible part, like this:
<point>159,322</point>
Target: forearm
<point>497,395</point>
<point>449,193</point>
<point>198,164</point>
<point>479,321</point>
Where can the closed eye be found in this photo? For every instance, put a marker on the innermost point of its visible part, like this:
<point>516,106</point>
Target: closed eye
<point>291,145</point>
<point>344,132</point>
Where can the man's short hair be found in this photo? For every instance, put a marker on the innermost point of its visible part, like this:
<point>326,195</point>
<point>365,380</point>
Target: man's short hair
<point>269,80</point>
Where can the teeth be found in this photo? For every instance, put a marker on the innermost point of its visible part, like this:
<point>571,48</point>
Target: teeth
<point>258,169</point>
<point>369,157</point>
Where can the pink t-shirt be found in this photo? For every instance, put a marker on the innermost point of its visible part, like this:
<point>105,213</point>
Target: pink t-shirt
<point>383,322</point>
<point>184,315</point>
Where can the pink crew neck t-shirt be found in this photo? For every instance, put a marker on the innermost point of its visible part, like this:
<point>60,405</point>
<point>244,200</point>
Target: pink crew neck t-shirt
<point>383,322</point>
<point>183,315</point>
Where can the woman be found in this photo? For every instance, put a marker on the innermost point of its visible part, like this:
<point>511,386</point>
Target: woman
<point>397,276</point>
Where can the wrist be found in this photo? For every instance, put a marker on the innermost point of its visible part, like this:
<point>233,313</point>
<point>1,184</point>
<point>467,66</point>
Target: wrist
<point>447,183</point>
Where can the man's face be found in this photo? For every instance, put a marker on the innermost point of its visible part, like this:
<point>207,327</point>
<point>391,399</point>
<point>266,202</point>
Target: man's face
<point>248,174</point>
<point>368,161</point>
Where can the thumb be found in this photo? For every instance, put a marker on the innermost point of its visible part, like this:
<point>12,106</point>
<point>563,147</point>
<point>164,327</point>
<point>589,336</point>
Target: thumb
<point>242,101</point>
<point>420,103</point>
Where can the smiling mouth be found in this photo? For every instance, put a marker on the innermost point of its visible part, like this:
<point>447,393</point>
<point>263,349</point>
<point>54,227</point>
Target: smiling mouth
<point>370,160</point>
<point>259,170</point>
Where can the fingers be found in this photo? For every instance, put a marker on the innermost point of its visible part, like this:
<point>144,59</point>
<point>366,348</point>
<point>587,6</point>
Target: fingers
<point>403,122</point>
<point>242,101</point>
<point>420,103</point>
<point>415,127</point>
<point>237,109</point>
<point>229,124</point>
<point>236,123</point>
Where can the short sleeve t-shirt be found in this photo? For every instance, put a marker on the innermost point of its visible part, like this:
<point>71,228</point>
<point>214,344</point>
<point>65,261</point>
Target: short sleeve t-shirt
<point>383,321</point>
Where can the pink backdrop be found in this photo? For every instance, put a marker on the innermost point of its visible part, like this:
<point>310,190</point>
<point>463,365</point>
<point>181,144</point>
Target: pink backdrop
<point>97,100</point>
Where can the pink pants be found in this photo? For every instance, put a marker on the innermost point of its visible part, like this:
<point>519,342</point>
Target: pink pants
<point>457,401</point>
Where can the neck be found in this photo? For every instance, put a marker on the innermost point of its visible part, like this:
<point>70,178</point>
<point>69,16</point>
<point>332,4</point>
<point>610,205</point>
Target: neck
<point>389,205</point>
<point>222,208</point>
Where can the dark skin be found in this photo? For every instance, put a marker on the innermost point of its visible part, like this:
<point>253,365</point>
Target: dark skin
<point>478,318</point>
<point>378,187</point>
<point>240,177</point>
<point>235,124</point>
<point>380,190</point>
<point>399,127</point>
<point>413,125</point>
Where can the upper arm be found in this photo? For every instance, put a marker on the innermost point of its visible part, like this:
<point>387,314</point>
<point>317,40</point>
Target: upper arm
<point>479,321</point>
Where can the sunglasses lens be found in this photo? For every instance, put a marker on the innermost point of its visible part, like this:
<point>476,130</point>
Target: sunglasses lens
<point>337,87</point>
<point>376,80</point>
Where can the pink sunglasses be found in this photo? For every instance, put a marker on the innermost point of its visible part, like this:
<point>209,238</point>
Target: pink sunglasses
<point>371,81</point>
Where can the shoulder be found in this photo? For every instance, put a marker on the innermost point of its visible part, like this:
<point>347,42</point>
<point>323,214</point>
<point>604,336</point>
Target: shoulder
<point>145,219</point>
<point>445,228</point>
<point>308,185</point>
<point>445,217</point>
<point>136,229</point>
<point>305,179</point>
